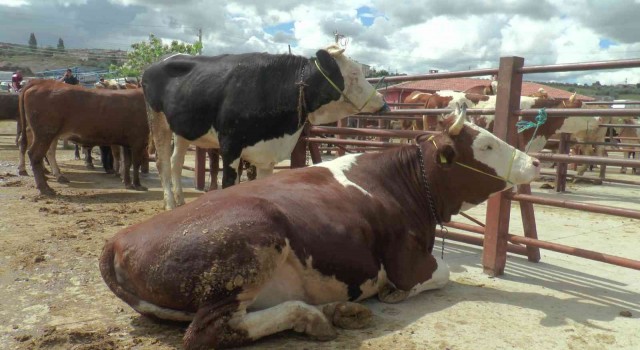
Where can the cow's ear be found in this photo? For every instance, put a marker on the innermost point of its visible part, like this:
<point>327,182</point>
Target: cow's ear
<point>445,155</point>
<point>324,58</point>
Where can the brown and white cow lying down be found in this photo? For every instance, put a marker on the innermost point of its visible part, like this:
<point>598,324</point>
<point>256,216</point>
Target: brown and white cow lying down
<point>51,110</point>
<point>297,249</point>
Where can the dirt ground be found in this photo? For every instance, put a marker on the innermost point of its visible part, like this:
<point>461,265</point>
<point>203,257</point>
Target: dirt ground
<point>52,295</point>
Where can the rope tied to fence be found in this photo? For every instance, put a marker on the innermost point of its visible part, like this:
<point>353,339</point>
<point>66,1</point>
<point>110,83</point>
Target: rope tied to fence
<point>523,125</point>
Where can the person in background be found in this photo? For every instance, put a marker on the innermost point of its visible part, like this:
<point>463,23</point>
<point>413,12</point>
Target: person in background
<point>16,82</point>
<point>69,78</point>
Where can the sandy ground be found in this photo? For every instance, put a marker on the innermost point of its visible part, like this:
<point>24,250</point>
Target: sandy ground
<point>52,295</point>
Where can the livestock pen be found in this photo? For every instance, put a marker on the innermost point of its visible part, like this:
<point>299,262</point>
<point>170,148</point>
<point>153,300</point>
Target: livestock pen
<point>495,237</point>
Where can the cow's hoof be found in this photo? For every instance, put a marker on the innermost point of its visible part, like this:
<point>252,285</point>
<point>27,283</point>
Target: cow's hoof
<point>317,328</point>
<point>110,171</point>
<point>212,187</point>
<point>348,315</point>
<point>140,188</point>
<point>46,171</point>
<point>47,191</point>
<point>63,180</point>
<point>391,295</point>
<point>89,166</point>
<point>23,173</point>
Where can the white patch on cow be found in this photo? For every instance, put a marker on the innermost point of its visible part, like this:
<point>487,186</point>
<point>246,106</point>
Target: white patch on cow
<point>293,280</point>
<point>208,140</point>
<point>457,98</point>
<point>265,154</point>
<point>371,287</point>
<point>295,315</point>
<point>439,279</point>
<point>356,88</point>
<point>503,158</point>
<point>338,168</point>
<point>163,313</point>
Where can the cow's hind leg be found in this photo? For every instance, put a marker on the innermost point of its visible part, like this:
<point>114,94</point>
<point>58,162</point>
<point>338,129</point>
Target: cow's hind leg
<point>36,153</point>
<point>51,155</point>
<point>136,157</point>
<point>228,326</point>
<point>177,161</point>
<point>162,141</point>
<point>126,153</point>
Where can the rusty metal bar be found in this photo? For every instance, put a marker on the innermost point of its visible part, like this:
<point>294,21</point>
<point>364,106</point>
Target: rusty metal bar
<point>476,240</point>
<point>529,223</point>
<point>597,180</point>
<point>578,112</point>
<point>591,208</point>
<point>636,126</point>
<point>572,67</point>
<point>321,130</point>
<point>611,102</point>
<point>564,158</point>
<point>467,73</point>
<point>353,142</point>
<point>494,254</point>
<point>561,169</point>
<point>436,111</point>
<point>583,253</point>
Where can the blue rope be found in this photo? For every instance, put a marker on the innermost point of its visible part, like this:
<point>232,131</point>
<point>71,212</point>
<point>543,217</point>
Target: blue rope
<point>523,125</point>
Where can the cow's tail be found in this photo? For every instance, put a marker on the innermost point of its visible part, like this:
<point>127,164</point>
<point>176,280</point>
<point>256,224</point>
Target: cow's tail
<point>108,272</point>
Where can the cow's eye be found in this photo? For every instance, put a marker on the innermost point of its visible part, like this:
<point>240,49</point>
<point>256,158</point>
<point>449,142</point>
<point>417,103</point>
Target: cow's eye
<point>488,148</point>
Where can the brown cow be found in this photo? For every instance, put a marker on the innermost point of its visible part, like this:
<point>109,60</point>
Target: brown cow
<point>437,100</point>
<point>297,250</point>
<point>53,110</point>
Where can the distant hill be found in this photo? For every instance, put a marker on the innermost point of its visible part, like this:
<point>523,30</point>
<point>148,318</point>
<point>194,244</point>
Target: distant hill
<point>16,56</point>
<point>602,92</point>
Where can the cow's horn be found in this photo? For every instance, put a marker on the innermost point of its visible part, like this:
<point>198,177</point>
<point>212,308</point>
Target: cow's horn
<point>461,113</point>
<point>335,50</point>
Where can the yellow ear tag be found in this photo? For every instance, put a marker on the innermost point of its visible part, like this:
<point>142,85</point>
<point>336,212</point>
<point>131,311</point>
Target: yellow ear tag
<point>443,160</point>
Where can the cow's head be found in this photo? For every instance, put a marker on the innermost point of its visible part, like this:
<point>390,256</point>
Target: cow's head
<point>472,163</point>
<point>356,93</point>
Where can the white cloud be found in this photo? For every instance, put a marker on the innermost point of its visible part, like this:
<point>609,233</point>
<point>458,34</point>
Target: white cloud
<point>410,37</point>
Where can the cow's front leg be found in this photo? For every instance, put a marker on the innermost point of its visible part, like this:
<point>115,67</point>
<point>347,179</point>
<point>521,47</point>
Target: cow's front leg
<point>263,171</point>
<point>433,274</point>
<point>230,163</point>
<point>51,155</point>
<point>88,159</point>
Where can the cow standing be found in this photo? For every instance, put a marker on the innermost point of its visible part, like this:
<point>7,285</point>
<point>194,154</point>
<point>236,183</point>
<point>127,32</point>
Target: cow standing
<point>297,249</point>
<point>54,110</point>
<point>251,106</point>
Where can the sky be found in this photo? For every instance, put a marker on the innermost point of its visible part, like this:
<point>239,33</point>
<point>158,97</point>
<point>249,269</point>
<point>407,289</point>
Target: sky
<point>409,37</point>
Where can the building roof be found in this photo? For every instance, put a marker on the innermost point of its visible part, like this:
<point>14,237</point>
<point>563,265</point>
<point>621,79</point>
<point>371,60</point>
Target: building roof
<point>476,85</point>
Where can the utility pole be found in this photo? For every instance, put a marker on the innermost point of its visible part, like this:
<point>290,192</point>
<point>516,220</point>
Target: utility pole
<point>200,41</point>
<point>289,49</point>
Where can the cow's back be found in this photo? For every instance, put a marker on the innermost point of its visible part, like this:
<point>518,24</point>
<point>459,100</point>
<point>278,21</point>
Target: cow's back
<point>224,92</point>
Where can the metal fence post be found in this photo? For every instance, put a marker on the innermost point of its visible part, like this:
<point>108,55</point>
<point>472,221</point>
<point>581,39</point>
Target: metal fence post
<point>494,253</point>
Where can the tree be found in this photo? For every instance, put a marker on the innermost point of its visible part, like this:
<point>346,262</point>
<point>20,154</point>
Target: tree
<point>33,43</point>
<point>60,45</point>
<point>145,53</point>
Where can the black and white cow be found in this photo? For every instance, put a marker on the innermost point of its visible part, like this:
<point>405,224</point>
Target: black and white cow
<point>298,249</point>
<point>250,105</point>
